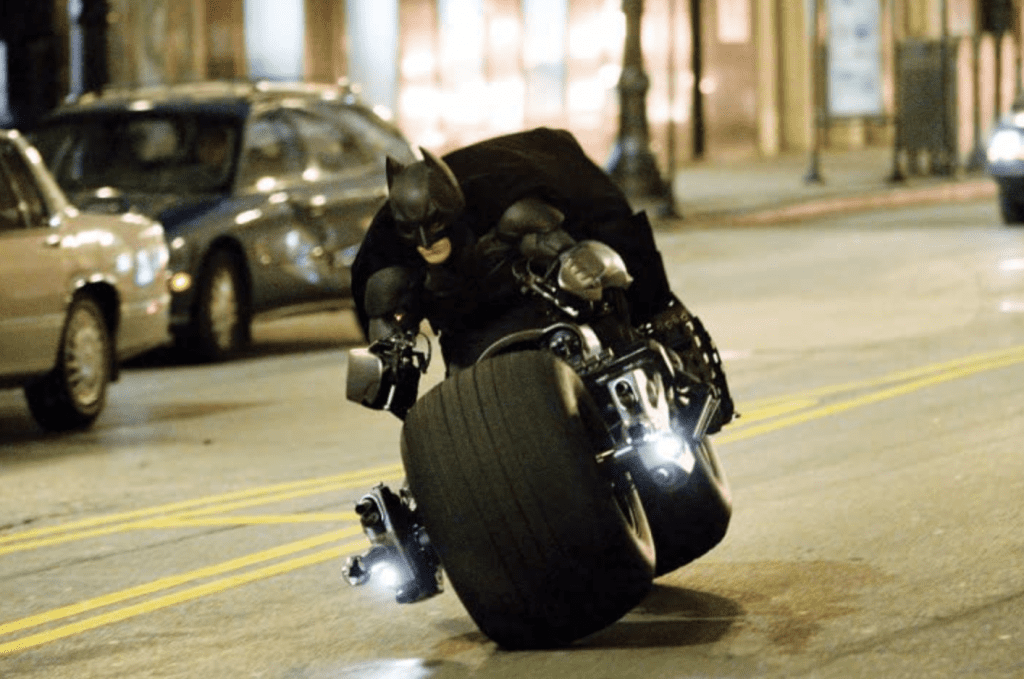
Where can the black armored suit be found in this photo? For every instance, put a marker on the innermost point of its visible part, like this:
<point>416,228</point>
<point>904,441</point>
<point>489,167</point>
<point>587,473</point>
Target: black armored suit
<point>468,290</point>
<point>443,247</point>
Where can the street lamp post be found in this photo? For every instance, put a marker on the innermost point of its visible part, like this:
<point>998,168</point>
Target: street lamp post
<point>813,175</point>
<point>632,164</point>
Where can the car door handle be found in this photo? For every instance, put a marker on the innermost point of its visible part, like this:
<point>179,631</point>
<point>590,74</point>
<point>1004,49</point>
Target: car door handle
<point>52,241</point>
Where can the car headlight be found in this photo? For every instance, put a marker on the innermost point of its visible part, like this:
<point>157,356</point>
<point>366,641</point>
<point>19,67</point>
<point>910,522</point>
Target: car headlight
<point>1006,145</point>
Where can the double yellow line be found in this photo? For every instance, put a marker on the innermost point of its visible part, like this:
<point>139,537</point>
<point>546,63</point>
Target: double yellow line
<point>760,417</point>
<point>197,511</point>
<point>190,513</point>
<point>768,415</point>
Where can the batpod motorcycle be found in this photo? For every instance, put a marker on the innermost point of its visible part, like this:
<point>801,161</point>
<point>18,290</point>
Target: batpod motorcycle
<point>557,475</point>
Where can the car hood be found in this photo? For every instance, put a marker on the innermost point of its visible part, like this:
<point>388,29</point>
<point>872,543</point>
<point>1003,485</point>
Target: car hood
<point>171,210</point>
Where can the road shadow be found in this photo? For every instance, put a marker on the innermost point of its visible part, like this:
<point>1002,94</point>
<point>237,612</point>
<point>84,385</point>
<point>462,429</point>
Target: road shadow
<point>291,335</point>
<point>17,425</point>
<point>17,428</point>
<point>300,334</point>
<point>669,617</point>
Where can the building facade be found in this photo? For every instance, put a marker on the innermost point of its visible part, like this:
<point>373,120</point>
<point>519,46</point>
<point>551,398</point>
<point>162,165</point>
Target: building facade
<point>727,78</point>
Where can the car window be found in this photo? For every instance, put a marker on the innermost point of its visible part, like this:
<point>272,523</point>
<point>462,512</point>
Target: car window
<point>271,153</point>
<point>330,145</point>
<point>10,212</point>
<point>22,182</point>
<point>157,152</point>
<point>381,138</point>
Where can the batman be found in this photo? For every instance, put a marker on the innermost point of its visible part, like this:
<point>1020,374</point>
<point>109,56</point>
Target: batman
<point>449,223</point>
<point>442,245</point>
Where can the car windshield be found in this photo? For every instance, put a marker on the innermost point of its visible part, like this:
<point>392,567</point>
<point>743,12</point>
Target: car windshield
<point>151,152</point>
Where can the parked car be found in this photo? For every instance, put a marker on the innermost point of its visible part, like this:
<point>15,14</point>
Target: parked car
<point>264,191</point>
<point>79,293</point>
<point>1005,155</point>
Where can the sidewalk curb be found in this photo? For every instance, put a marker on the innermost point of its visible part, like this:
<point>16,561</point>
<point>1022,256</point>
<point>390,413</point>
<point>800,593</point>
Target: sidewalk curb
<point>888,198</point>
<point>802,210</point>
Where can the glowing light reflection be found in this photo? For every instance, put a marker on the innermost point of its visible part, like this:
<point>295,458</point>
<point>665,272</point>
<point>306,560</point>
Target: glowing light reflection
<point>248,216</point>
<point>145,269</point>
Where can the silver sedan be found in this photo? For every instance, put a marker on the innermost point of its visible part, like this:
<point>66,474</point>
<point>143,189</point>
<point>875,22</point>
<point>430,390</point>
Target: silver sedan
<point>79,293</point>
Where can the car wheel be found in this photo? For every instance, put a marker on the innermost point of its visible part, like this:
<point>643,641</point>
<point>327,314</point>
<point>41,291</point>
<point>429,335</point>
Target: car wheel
<point>1010,207</point>
<point>73,394</point>
<point>220,328</point>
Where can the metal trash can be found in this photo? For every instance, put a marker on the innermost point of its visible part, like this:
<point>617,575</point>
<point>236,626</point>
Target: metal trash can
<point>927,104</point>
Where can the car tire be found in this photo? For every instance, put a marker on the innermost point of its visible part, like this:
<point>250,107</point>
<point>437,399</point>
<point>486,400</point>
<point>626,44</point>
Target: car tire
<point>72,395</point>
<point>221,321</point>
<point>689,520</point>
<point>540,545</point>
<point>1010,206</point>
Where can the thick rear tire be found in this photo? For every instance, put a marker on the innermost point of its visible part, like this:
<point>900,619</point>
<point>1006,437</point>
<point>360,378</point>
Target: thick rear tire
<point>540,545</point>
<point>689,520</point>
<point>73,394</point>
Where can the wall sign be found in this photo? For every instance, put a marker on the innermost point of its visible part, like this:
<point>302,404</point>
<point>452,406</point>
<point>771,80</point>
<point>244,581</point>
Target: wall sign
<point>854,58</point>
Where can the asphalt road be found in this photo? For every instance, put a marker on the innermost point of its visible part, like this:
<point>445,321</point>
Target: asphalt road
<point>199,530</point>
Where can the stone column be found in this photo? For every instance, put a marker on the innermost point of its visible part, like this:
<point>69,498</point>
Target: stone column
<point>767,49</point>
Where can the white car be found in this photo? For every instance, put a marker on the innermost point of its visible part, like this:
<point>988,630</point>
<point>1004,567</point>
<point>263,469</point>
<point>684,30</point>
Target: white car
<point>79,292</point>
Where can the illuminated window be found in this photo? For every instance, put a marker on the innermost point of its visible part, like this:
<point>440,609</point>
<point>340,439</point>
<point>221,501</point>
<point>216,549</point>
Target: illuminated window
<point>462,39</point>
<point>373,49</point>
<point>275,37</point>
<point>544,54</point>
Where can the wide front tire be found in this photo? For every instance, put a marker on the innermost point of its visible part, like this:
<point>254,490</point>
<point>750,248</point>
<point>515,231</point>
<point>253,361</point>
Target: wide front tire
<point>540,545</point>
<point>73,394</point>
<point>687,520</point>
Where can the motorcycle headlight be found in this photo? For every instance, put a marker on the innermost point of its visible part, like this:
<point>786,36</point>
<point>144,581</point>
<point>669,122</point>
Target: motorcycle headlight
<point>1006,145</point>
<point>389,576</point>
<point>667,456</point>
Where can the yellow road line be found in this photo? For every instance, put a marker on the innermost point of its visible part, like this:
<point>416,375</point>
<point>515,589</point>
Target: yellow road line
<point>175,598</point>
<point>774,410</point>
<point>246,520</point>
<point>387,471</point>
<point>774,414</point>
<point>898,376</point>
<point>144,524</point>
<point>867,399</point>
<point>176,580</point>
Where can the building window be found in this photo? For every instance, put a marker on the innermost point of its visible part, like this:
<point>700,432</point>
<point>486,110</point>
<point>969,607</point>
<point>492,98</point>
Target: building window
<point>373,50</point>
<point>544,55</point>
<point>275,38</point>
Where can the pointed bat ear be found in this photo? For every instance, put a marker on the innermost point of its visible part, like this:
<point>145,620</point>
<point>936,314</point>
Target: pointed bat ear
<point>433,161</point>
<point>451,197</point>
<point>392,167</point>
